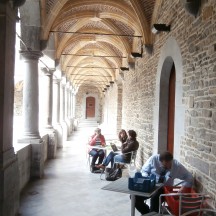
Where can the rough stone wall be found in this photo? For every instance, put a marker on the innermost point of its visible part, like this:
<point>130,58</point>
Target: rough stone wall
<point>138,101</point>
<point>111,108</point>
<point>81,95</point>
<point>196,38</point>
<point>119,108</point>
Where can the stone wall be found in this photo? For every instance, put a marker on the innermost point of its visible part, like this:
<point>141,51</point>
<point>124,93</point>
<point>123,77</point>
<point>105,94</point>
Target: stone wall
<point>111,98</point>
<point>24,164</point>
<point>196,38</point>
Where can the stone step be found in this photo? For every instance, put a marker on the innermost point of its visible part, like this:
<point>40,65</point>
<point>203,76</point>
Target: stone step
<point>88,123</point>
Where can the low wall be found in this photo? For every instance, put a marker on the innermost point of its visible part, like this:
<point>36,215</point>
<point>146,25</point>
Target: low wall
<point>23,152</point>
<point>24,164</point>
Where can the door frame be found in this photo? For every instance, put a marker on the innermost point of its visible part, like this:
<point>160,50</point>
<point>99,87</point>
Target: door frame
<point>97,116</point>
<point>170,54</point>
<point>94,108</point>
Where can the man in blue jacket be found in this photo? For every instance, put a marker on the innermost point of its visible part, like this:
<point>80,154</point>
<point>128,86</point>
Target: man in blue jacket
<point>166,170</point>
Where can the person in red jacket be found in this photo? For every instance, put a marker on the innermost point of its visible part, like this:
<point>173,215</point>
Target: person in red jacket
<point>97,140</point>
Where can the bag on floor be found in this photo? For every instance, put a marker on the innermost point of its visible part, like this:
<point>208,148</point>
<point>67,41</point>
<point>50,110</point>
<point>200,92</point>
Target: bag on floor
<point>112,174</point>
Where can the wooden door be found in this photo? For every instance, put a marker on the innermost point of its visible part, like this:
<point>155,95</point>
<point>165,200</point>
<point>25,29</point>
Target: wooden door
<point>90,107</point>
<point>171,111</point>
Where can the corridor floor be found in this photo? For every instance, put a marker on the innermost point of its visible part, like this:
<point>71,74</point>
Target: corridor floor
<point>69,189</point>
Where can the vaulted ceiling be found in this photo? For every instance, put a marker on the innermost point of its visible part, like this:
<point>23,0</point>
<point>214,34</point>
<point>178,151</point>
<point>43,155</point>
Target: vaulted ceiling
<point>95,38</point>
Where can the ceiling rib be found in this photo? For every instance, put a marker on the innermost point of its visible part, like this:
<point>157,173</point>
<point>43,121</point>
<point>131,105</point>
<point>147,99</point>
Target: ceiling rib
<point>93,55</point>
<point>92,67</point>
<point>95,33</point>
<point>90,75</point>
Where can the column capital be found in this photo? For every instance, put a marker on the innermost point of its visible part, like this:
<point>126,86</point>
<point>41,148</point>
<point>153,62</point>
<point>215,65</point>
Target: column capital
<point>31,54</point>
<point>56,80</point>
<point>47,71</point>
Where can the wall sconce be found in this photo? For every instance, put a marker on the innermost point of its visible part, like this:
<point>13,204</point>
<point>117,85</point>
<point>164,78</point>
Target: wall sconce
<point>107,86</point>
<point>124,68</point>
<point>111,82</point>
<point>105,89</point>
<point>160,27</point>
<point>136,55</point>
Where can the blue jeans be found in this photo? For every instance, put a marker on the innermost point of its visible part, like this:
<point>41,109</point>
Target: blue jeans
<point>109,158</point>
<point>119,159</point>
<point>95,153</point>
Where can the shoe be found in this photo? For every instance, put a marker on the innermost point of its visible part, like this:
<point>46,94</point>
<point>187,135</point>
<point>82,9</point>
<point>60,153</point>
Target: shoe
<point>94,169</point>
<point>100,166</point>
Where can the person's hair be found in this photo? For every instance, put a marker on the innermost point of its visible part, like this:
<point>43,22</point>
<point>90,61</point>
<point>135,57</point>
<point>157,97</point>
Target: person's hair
<point>122,131</point>
<point>132,134</point>
<point>165,156</point>
<point>98,130</point>
<point>119,135</point>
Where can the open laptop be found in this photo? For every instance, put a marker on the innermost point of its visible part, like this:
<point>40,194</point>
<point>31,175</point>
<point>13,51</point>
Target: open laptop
<point>114,147</point>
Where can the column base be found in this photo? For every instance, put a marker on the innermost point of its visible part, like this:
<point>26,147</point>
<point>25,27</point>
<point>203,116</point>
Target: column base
<point>9,187</point>
<point>37,160</point>
<point>68,126</point>
<point>65,131</point>
<point>72,125</point>
<point>59,131</point>
<point>52,143</point>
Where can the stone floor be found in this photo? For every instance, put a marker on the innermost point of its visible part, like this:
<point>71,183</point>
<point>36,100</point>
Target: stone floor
<point>69,189</point>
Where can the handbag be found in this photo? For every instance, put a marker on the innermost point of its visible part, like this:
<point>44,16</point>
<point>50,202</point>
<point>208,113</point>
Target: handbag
<point>112,174</point>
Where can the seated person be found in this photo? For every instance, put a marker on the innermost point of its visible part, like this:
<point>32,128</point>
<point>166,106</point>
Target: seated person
<point>166,170</point>
<point>122,136</point>
<point>130,145</point>
<point>97,139</point>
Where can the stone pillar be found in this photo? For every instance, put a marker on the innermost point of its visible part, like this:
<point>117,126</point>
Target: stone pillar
<point>62,111</point>
<point>74,110</point>
<point>30,95</point>
<point>56,112</point>
<point>9,173</point>
<point>47,101</point>
<point>31,111</point>
<point>71,109</point>
<point>67,108</point>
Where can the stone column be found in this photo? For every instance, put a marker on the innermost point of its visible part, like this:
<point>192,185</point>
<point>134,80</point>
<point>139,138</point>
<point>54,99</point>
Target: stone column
<point>71,109</point>
<point>56,112</point>
<point>67,102</point>
<point>74,110</point>
<point>30,95</point>
<point>31,111</point>
<point>46,98</point>
<point>9,173</point>
<point>62,110</point>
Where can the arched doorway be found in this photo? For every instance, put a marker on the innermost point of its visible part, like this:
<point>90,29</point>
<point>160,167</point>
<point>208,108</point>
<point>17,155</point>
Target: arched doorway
<point>170,59</point>
<point>171,111</point>
<point>90,107</point>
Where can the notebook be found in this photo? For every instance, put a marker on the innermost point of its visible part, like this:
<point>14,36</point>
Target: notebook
<point>114,147</point>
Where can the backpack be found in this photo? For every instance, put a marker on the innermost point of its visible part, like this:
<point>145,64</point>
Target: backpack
<point>112,174</point>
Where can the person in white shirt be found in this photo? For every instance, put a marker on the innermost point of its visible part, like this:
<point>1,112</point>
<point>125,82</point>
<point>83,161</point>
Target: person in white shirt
<point>166,170</point>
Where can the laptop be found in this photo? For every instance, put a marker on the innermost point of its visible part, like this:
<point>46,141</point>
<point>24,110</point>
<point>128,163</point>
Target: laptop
<point>114,147</point>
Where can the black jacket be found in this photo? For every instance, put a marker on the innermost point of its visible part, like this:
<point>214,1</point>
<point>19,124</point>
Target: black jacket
<point>129,146</point>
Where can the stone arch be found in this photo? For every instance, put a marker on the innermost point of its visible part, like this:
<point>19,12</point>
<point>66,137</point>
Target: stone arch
<point>170,54</point>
